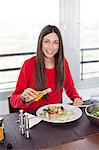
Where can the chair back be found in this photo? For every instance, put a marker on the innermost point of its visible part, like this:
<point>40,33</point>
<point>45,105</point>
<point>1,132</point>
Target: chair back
<point>11,109</point>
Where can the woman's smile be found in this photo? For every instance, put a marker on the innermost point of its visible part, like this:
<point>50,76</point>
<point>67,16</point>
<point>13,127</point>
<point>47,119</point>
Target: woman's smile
<point>49,52</point>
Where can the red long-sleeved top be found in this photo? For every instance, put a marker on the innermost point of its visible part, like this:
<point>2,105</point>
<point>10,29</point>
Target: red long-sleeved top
<point>27,80</point>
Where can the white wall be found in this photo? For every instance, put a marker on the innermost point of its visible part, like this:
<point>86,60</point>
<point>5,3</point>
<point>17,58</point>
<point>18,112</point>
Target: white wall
<point>4,107</point>
<point>84,93</point>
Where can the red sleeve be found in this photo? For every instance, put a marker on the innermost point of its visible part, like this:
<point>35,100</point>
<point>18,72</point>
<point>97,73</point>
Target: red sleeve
<point>23,83</point>
<point>15,99</point>
<point>69,84</point>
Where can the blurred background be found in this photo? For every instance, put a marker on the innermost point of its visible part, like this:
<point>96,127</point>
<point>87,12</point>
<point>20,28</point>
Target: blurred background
<point>20,24</point>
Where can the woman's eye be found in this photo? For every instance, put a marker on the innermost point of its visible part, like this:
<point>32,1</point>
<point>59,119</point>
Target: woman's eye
<point>46,41</point>
<point>56,42</point>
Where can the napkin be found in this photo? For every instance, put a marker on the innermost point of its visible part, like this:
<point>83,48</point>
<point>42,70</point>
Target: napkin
<point>33,120</point>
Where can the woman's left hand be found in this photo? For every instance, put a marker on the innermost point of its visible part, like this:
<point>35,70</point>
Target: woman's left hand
<point>77,102</point>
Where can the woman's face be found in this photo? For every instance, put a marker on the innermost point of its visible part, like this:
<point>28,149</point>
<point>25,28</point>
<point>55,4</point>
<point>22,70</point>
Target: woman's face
<point>50,45</point>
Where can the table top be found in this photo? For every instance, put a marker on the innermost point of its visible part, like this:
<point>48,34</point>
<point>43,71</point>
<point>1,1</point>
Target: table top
<point>47,135</point>
<point>89,143</point>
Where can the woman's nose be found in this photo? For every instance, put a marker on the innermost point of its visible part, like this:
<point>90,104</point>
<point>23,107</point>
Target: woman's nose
<point>51,45</point>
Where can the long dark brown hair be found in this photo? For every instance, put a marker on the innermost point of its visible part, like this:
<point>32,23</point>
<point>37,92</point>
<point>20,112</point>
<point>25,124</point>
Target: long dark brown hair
<point>59,60</point>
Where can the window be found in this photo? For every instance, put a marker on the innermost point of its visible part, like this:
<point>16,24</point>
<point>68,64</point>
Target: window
<point>89,38</point>
<point>75,15</point>
<point>20,26</point>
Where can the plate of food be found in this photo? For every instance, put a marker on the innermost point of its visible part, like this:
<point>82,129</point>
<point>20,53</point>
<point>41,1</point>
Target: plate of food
<point>59,113</point>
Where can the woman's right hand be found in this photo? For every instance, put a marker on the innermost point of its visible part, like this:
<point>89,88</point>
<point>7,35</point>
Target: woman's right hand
<point>29,94</point>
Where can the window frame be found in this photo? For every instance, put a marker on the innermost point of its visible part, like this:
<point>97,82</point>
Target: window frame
<point>70,26</point>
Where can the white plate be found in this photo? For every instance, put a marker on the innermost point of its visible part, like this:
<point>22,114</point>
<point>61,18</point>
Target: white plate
<point>77,113</point>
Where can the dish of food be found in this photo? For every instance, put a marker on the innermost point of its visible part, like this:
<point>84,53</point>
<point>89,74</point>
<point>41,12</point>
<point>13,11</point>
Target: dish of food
<point>59,113</point>
<point>92,112</point>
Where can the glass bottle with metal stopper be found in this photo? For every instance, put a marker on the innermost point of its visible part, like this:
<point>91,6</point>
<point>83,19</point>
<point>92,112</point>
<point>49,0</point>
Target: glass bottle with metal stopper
<point>39,96</point>
<point>1,130</point>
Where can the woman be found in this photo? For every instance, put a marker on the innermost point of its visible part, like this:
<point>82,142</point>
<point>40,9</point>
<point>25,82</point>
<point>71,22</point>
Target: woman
<point>48,69</point>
